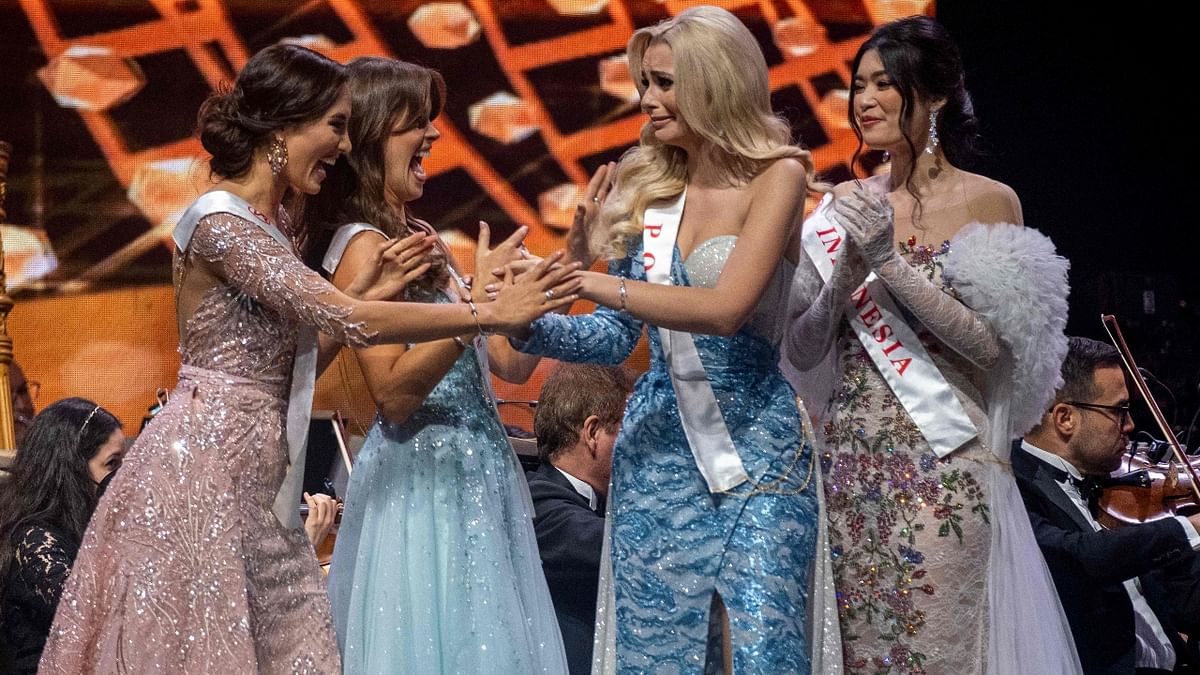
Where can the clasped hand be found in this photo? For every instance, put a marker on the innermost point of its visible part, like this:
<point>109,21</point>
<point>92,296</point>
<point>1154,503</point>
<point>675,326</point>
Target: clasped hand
<point>869,222</point>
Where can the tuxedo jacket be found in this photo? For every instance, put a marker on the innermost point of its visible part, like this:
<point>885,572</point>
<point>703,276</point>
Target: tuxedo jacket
<point>1090,567</point>
<point>570,536</point>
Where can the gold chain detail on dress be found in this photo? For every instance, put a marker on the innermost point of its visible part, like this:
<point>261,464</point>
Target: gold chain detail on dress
<point>772,486</point>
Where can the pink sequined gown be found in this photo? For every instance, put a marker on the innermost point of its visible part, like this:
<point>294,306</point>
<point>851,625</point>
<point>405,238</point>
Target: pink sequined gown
<point>184,567</point>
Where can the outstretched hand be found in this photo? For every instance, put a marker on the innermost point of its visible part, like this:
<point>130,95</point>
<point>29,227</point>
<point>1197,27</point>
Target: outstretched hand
<point>869,221</point>
<point>393,265</point>
<point>490,262</point>
<point>587,213</point>
<point>547,286</point>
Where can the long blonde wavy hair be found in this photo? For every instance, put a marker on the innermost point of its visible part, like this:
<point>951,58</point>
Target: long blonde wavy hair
<point>722,93</point>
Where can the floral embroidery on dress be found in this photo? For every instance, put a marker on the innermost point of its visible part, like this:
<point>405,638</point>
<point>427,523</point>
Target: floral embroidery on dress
<point>885,484</point>
<point>928,259</point>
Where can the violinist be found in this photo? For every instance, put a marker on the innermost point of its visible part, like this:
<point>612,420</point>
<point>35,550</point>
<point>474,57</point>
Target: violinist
<point>1127,592</point>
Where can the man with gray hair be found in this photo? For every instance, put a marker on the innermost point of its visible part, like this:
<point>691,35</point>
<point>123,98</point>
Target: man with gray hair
<point>578,417</point>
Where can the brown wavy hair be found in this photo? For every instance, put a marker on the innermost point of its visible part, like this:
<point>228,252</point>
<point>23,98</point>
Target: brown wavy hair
<point>385,94</point>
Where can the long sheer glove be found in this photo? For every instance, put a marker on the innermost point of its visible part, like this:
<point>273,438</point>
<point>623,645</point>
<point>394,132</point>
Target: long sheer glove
<point>869,221</point>
<point>817,307</point>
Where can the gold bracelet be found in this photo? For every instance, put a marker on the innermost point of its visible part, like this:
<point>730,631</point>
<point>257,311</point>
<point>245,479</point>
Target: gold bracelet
<point>622,292</point>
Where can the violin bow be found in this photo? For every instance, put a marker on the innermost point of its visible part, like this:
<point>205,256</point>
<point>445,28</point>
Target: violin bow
<point>1118,340</point>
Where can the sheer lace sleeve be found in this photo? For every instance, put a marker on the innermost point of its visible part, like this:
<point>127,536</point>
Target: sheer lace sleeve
<point>817,308</point>
<point>268,273</point>
<point>43,563</point>
<point>956,325</point>
<point>605,336</point>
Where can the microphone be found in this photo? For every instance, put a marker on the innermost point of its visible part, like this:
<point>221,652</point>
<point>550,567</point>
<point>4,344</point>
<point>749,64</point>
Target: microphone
<point>1155,450</point>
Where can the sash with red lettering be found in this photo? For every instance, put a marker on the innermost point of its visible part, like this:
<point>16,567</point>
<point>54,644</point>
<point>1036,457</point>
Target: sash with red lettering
<point>893,346</point>
<point>701,417</point>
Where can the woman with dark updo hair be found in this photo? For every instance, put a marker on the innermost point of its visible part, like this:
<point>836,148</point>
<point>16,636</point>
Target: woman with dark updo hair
<point>68,451</point>
<point>195,561</point>
<point>935,340</point>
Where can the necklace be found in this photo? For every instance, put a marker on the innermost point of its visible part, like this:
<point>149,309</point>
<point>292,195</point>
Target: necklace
<point>261,216</point>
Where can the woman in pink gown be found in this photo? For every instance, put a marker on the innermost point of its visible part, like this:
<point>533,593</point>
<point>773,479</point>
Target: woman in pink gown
<point>184,567</point>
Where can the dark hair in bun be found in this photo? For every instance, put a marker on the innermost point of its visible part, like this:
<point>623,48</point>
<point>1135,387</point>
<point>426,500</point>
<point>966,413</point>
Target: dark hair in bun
<point>280,86</point>
<point>921,58</point>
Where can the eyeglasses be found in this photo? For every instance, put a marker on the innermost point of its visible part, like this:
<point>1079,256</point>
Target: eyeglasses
<point>1122,411</point>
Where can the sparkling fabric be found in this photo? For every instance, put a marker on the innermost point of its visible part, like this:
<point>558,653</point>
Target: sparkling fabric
<point>910,535</point>
<point>436,568</point>
<point>184,567</point>
<point>673,543</point>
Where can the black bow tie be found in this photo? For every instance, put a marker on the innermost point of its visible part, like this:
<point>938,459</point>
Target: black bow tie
<point>1089,487</point>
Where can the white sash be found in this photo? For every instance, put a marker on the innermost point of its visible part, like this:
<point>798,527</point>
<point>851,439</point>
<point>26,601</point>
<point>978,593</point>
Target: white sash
<point>703,424</point>
<point>304,371</point>
<point>341,239</point>
<point>893,346</point>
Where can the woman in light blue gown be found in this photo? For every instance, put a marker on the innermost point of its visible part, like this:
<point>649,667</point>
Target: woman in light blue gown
<point>436,568</point>
<point>713,511</point>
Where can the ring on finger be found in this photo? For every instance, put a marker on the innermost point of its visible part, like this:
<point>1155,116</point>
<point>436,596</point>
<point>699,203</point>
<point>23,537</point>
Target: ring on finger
<point>550,294</point>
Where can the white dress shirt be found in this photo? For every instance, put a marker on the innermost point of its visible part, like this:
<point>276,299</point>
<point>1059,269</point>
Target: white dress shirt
<point>582,488</point>
<point>1154,649</point>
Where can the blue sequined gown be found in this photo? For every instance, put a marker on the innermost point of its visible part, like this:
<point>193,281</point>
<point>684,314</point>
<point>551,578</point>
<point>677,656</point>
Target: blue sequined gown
<point>673,542</point>
<point>436,568</point>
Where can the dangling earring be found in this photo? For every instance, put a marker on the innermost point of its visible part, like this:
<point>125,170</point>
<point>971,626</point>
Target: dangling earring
<point>932,141</point>
<point>277,155</point>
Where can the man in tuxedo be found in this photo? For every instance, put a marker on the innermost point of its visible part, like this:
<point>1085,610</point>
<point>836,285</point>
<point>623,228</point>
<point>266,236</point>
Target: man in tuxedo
<point>578,416</point>
<point>1129,591</point>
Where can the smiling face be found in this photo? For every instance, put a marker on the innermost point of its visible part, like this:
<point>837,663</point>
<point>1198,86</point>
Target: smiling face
<point>877,103</point>
<point>658,97</point>
<point>313,146</point>
<point>404,152</point>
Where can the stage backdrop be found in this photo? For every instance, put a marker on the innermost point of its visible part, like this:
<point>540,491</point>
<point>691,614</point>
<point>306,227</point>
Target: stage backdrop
<point>105,158</point>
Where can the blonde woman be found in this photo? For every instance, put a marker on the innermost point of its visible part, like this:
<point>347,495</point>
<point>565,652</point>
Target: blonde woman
<point>712,513</point>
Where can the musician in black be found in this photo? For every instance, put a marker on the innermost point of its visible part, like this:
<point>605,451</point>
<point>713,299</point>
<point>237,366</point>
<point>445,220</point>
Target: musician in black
<point>1127,592</point>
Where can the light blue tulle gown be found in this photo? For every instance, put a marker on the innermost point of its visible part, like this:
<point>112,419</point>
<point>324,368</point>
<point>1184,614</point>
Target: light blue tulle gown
<point>674,542</point>
<point>436,568</point>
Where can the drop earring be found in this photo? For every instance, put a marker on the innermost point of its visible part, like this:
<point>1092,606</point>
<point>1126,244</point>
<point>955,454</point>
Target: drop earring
<point>932,141</point>
<point>277,155</point>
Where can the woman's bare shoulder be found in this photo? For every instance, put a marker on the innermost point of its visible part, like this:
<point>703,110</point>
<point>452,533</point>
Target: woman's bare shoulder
<point>991,201</point>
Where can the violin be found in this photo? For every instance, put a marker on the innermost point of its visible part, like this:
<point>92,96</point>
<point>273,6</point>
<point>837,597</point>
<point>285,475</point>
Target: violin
<point>1148,490</point>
